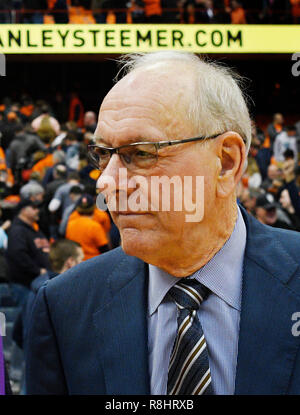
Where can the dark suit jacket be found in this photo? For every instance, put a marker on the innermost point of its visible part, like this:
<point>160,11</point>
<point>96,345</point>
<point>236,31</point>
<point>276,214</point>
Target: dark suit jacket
<point>89,329</point>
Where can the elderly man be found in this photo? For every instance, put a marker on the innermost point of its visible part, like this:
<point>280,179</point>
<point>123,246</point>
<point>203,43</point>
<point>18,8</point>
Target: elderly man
<point>184,306</point>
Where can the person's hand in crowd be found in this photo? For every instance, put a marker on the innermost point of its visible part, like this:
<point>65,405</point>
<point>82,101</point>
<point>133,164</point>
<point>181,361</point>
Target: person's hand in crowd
<point>288,169</point>
<point>6,225</point>
<point>43,271</point>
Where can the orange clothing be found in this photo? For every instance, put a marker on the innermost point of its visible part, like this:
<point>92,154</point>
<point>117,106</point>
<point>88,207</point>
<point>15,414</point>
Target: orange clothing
<point>43,164</point>
<point>2,159</point>
<point>152,7</point>
<point>76,111</point>
<point>3,166</point>
<point>99,216</point>
<point>238,16</point>
<point>295,7</point>
<point>88,233</point>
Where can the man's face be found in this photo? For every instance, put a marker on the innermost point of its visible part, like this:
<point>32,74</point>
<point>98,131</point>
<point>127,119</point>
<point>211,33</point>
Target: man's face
<point>31,213</point>
<point>278,119</point>
<point>39,197</point>
<point>144,108</point>
<point>266,216</point>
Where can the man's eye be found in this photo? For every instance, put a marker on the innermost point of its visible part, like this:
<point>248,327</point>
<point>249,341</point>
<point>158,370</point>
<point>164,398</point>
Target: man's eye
<point>143,154</point>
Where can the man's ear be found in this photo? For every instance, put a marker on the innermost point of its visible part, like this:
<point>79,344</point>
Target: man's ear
<point>231,151</point>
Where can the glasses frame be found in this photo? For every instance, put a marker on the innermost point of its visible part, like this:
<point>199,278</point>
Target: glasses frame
<point>158,146</point>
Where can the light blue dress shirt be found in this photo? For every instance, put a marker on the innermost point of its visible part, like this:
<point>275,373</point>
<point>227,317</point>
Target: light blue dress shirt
<point>219,315</point>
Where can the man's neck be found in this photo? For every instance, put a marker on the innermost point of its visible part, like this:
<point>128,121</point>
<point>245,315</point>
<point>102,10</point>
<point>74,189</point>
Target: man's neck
<point>201,247</point>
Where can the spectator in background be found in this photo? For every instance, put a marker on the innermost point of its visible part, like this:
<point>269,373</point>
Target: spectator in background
<point>254,11</point>
<point>8,129</point>
<point>45,115</point>
<point>61,199</point>
<point>60,11</point>
<point>5,7</point>
<point>33,190</point>
<point>75,194</point>
<point>27,249</point>
<point>76,110</point>
<point>59,177</point>
<point>266,213</point>
<point>86,231</point>
<point>237,12</point>
<point>286,140</point>
<point>295,11</point>
<point>170,11</point>
<point>64,254</point>
<point>37,10</point>
<point>22,147</point>
<point>89,121</point>
<point>275,127</point>
<point>153,11</point>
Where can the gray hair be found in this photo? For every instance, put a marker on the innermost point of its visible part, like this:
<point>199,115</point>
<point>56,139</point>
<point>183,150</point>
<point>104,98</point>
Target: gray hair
<point>219,104</point>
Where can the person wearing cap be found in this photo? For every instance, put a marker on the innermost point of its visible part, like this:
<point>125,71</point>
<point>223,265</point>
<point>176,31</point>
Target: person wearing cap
<point>27,249</point>
<point>266,212</point>
<point>86,231</point>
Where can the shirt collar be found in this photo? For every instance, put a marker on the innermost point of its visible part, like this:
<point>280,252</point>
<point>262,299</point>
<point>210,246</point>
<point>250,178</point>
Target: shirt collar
<point>222,274</point>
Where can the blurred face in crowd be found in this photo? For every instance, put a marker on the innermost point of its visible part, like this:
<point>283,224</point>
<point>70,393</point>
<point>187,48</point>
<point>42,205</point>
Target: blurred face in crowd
<point>266,216</point>
<point>274,172</point>
<point>278,119</point>
<point>39,197</point>
<point>151,105</point>
<point>291,133</point>
<point>89,118</point>
<point>72,261</point>
<point>30,214</point>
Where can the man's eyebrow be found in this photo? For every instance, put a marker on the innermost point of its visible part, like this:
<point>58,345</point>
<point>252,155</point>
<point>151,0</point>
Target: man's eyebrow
<point>100,140</point>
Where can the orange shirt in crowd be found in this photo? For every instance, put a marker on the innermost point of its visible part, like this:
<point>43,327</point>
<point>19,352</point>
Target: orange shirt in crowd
<point>43,164</point>
<point>76,111</point>
<point>99,216</point>
<point>88,233</point>
<point>3,166</point>
<point>152,7</point>
<point>295,7</point>
<point>238,16</point>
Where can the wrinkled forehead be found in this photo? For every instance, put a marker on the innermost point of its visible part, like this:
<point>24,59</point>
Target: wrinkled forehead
<point>144,104</point>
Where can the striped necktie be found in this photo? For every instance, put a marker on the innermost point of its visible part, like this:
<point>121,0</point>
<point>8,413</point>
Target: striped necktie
<point>189,372</point>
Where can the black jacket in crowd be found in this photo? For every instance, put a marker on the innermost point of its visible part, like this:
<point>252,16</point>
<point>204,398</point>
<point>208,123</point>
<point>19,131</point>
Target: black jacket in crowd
<point>25,253</point>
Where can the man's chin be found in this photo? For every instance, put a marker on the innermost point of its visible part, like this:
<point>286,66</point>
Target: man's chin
<point>137,243</point>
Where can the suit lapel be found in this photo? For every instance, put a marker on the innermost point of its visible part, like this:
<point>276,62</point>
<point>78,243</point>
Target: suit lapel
<point>267,348</point>
<point>121,330</point>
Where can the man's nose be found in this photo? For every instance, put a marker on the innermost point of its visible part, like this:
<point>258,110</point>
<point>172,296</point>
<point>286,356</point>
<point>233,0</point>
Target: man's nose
<point>113,177</point>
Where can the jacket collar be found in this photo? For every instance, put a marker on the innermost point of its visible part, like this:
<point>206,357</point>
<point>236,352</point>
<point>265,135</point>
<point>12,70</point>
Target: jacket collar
<point>121,329</point>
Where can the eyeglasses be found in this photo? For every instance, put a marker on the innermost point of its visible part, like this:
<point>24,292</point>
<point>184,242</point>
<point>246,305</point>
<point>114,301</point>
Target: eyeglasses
<point>135,156</point>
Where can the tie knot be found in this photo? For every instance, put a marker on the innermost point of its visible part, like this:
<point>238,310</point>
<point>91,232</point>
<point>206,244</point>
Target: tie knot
<point>189,294</point>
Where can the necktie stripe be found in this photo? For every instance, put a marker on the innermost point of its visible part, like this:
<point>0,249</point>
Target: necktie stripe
<point>190,293</point>
<point>185,325</point>
<point>203,384</point>
<point>189,366</point>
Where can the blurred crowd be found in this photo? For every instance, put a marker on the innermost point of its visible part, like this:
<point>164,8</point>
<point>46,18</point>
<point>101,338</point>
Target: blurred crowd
<point>47,188</point>
<point>150,11</point>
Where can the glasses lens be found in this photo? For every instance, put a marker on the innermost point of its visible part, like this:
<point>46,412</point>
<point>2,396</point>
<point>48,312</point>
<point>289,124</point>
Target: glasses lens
<point>140,156</point>
<point>99,156</point>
